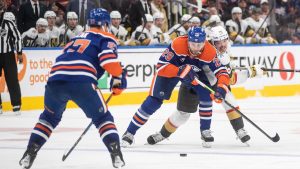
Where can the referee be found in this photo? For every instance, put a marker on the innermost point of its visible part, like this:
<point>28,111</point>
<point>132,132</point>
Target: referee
<point>10,40</point>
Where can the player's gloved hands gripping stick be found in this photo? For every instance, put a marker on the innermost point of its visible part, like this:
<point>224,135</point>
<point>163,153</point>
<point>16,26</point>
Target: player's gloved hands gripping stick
<point>118,84</point>
<point>220,93</point>
<point>187,74</point>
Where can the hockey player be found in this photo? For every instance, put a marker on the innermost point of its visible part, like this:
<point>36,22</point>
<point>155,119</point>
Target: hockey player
<point>74,77</point>
<point>52,30</point>
<point>163,38</point>
<point>237,27</point>
<point>118,30</point>
<point>188,100</point>
<point>37,37</point>
<point>72,29</point>
<point>182,60</point>
<point>262,35</point>
<point>143,34</point>
<point>195,21</point>
<point>181,29</point>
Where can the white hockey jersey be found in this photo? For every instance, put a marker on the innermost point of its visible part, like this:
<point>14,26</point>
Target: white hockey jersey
<point>141,34</point>
<point>180,31</point>
<point>54,36</point>
<point>121,33</point>
<point>233,26</point>
<point>255,25</point>
<point>163,38</point>
<point>71,33</point>
<point>32,38</point>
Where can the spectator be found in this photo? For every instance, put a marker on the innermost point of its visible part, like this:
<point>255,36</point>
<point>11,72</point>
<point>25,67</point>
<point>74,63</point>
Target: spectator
<point>52,30</point>
<point>10,40</point>
<point>110,5</point>
<point>243,5</point>
<point>82,9</point>
<point>37,37</point>
<point>296,38</point>
<point>118,30</point>
<point>137,11</point>
<point>163,38</point>
<point>29,13</point>
<point>158,6</point>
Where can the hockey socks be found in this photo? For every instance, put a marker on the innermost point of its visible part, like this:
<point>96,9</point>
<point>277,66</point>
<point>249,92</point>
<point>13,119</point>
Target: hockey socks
<point>141,116</point>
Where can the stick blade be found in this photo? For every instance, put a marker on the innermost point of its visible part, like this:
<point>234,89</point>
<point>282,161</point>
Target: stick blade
<point>276,138</point>
<point>64,157</point>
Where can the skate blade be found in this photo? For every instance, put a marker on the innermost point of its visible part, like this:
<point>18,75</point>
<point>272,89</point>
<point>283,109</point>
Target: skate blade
<point>125,144</point>
<point>206,144</point>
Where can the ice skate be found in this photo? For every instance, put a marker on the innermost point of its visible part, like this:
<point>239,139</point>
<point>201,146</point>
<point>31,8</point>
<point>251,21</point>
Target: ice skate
<point>116,155</point>
<point>207,138</point>
<point>29,156</point>
<point>16,110</point>
<point>243,136</point>
<point>155,138</point>
<point>127,139</point>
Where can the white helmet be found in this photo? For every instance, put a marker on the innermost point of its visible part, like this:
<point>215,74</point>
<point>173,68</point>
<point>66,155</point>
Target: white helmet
<point>72,15</point>
<point>236,10</point>
<point>218,33</point>
<point>158,15</point>
<point>214,18</point>
<point>115,15</point>
<point>9,16</point>
<point>195,20</point>
<point>149,18</point>
<point>185,17</point>
<point>49,14</point>
<point>42,22</point>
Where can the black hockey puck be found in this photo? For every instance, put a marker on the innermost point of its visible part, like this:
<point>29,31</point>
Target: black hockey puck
<point>183,154</point>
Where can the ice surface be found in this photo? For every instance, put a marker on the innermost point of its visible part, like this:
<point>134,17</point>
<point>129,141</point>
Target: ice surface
<point>280,115</point>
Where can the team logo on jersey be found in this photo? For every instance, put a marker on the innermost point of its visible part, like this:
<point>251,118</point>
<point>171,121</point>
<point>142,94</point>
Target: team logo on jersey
<point>195,68</point>
<point>3,32</point>
<point>111,45</point>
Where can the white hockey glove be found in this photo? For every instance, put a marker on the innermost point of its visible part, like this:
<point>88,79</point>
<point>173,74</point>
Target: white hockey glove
<point>255,71</point>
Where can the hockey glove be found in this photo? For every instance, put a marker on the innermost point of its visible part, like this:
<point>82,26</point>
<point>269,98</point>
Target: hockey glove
<point>220,93</point>
<point>118,84</point>
<point>255,71</point>
<point>187,74</point>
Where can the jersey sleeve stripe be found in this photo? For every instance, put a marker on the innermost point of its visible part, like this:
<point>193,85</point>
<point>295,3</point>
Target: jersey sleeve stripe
<point>105,51</point>
<point>103,57</point>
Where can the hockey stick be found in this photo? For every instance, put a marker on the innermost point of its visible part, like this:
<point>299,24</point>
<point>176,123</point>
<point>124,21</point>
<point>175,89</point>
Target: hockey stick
<point>174,30</point>
<point>263,21</point>
<point>273,70</point>
<point>83,133</point>
<point>276,138</point>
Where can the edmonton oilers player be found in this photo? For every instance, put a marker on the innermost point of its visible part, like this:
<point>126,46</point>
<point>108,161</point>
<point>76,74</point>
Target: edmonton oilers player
<point>74,77</point>
<point>182,60</point>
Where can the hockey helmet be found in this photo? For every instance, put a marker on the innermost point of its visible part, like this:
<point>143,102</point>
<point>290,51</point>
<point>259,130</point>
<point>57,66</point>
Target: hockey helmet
<point>195,20</point>
<point>72,15</point>
<point>236,10</point>
<point>149,18</point>
<point>185,17</point>
<point>42,22</point>
<point>115,15</point>
<point>9,16</point>
<point>158,15</point>
<point>196,34</point>
<point>49,14</point>
<point>98,17</point>
<point>218,33</point>
<point>214,18</point>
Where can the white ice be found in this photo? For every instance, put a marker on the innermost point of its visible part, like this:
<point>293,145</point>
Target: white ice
<point>273,115</point>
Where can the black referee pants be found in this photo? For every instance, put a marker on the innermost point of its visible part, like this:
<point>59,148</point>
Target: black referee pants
<point>9,65</point>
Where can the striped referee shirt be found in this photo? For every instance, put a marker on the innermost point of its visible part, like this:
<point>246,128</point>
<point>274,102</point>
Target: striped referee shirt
<point>10,38</point>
